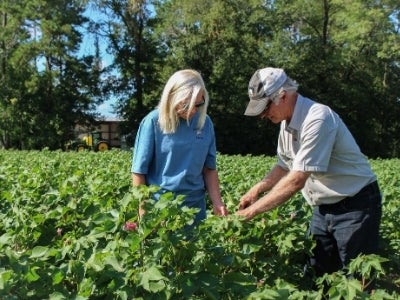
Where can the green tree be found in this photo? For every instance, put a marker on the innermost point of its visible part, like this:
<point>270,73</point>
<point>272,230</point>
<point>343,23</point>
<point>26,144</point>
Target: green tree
<point>226,41</point>
<point>346,54</point>
<point>11,36</point>
<point>343,53</point>
<point>127,25</point>
<point>50,87</point>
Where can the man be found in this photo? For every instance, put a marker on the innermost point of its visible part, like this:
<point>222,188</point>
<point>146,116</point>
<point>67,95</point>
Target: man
<point>317,155</point>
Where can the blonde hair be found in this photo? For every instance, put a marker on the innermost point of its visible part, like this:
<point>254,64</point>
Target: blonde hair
<point>183,85</point>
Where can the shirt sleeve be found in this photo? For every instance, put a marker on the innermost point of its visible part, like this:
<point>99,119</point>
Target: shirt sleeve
<point>143,150</point>
<point>317,140</point>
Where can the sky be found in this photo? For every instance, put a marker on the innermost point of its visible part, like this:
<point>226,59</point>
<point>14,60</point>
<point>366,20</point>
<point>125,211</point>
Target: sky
<point>88,48</point>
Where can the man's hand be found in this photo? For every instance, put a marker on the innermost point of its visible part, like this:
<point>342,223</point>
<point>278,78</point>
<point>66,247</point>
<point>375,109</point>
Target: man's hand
<point>248,199</point>
<point>247,213</point>
<point>279,194</point>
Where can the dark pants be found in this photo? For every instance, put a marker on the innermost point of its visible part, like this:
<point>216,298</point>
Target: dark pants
<point>346,229</point>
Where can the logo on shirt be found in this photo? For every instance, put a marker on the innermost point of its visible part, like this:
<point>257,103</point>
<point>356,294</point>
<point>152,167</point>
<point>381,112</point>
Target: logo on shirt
<point>199,134</point>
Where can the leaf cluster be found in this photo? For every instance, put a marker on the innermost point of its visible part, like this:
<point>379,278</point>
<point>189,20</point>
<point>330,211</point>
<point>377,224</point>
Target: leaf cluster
<point>63,236</point>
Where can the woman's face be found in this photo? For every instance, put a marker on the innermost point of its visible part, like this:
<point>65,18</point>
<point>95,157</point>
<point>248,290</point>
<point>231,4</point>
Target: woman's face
<point>183,107</point>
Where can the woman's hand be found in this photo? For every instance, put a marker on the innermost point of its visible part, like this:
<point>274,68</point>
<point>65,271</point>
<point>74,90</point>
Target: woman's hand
<point>220,210</point>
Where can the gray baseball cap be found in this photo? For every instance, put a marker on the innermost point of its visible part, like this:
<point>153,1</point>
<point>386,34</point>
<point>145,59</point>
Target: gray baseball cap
<point>263,84</point>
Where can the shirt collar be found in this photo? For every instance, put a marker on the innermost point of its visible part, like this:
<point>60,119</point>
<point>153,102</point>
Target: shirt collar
<point>299,113</point>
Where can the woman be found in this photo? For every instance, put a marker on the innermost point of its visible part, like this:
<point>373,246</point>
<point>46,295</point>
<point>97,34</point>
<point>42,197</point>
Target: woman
<point>175,145</point>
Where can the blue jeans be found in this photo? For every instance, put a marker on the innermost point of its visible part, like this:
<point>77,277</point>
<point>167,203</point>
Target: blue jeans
<point>346,229</point>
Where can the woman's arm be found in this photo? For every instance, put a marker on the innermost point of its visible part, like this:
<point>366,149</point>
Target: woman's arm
<point>212,185</point>
<point>138,179</point>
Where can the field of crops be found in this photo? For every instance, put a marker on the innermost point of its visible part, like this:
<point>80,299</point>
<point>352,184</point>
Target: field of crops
<point>69,230</point>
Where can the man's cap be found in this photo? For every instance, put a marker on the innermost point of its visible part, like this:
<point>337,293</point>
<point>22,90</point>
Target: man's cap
<point>263,84</point>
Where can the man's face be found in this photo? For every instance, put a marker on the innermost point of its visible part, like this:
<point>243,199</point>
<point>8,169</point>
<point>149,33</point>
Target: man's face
<point>274,111</point>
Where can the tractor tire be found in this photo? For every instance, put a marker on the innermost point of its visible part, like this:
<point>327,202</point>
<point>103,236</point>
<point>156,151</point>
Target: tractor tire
<point>102,146</point>
<point>80,147</point>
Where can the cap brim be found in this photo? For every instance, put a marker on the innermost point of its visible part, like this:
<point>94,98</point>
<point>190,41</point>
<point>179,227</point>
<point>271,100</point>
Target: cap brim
<point>256,107</point>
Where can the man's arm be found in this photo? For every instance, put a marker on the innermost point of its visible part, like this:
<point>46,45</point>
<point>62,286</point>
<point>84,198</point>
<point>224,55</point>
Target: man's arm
<point>282,191</point>
<point>266,184</point>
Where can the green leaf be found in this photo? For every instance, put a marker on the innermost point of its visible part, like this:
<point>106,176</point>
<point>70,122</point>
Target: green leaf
<point>58,277</point>
<point>32,276</point>
<point>5,238</point>
<point>251,248</point>
<point>113,261</point>
<point>86,288</point>
<point>352,287</point>
<point>57,296</point>
<point>39,251</point>
<point>152,280</point>
<point>5,279</point>
<point>95,262</point>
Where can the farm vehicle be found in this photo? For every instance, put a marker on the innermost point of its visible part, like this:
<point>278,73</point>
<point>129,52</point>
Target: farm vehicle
<point>101,136</point>
<point>90,141</point>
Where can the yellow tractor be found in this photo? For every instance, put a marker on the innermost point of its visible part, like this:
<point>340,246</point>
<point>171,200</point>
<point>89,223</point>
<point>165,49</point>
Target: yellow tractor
<point>90,141</point>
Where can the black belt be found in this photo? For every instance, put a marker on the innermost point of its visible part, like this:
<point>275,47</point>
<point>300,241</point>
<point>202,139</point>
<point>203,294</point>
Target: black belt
<point>370,189</point>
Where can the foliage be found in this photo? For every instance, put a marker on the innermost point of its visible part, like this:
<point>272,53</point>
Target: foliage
<point>339,53</point>
<point>127,26</point>
<point>45,87</point>
<point>70,230</point>
<point>226,41</point>
<point>343,53</point>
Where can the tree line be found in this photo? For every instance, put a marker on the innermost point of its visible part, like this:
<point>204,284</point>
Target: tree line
<point>345,54</point>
